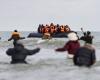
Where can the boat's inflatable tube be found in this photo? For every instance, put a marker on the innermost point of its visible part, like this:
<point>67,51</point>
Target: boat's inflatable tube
<point>39,35</point>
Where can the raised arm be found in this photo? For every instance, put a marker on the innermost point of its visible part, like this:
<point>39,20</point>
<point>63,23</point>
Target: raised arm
<point>10,39</point>
<point>64,48</point>
<point>31,52</point>
<point>10,51</point>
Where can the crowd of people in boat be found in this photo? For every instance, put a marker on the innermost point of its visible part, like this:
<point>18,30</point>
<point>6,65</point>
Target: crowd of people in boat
<point>52,29</point>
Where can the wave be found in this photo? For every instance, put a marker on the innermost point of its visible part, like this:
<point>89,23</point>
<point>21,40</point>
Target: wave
<point>55,42</point>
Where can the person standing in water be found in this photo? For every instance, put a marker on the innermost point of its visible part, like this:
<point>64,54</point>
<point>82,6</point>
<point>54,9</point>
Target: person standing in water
<point>85,56</point>
<point>71,46</point>
<point>15,37</point>
<point>19,53</point>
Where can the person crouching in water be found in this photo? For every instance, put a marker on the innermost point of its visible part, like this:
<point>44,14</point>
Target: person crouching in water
<point>71,46</point>
<point>19,53</point>
<point>15,37</point>
<point>85,56</point>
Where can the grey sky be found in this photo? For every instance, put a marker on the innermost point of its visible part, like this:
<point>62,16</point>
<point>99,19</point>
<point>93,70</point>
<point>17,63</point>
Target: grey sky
<point>25,15</point>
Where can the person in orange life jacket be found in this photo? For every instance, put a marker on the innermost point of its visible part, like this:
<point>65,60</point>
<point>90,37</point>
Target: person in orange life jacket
<point>19,53</point>
<point>85,56</point>
<point>52,30</point>
<point>67,29</point>
<point>46,34</point>
<point>15,37</point>
<point>57,29</point>
<point>71,46</point>
<point>51,24</point>
<point>46,29</point>
<point>62,28</point>
<point>87,37</point>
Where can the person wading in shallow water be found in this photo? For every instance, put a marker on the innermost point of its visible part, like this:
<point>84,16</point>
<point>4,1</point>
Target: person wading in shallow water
<point>71,46</point>
<point>85,56</point>
<point>15,37</point>
<point>19,53</point>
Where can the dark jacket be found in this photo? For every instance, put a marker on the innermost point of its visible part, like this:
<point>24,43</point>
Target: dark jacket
<point>19,53</point>
<point>70,46</point>
<point>85,56</point>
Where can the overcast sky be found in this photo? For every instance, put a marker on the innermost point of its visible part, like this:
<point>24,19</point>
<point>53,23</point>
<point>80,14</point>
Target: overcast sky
<point>25,15</point>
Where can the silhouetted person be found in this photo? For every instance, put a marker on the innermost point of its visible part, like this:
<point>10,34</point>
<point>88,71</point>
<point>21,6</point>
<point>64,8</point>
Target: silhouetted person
<point>15,37</point>
<point>19,53</point>
<point>88,38</point>
<point>85,56</point>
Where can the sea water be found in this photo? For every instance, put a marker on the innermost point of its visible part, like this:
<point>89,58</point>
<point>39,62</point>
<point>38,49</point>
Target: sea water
<point>47,64</point>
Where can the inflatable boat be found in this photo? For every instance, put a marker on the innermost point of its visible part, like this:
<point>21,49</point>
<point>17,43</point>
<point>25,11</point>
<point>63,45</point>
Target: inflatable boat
<point>56,31</point>
<point>39,35</point>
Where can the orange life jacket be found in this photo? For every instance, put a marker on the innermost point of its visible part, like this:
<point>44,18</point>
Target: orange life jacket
<point>52,29</point>
<point>46,30</point>
<point>16,35</point>
<point>67,29</point>
<point>62,29</point>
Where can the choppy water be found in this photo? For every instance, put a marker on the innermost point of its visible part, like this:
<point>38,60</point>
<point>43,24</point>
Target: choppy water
<point>47,64</point>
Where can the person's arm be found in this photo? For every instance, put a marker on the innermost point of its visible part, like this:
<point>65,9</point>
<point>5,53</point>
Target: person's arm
<point>66,46</point>
<point>10,51</point>
<point>22,37</point>
<point>10,39</point>
<point>31,52</point>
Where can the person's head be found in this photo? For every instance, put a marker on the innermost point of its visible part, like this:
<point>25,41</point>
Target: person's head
<point>88,32</point>
<point>72,36</point>
<point>15,31</point>
<point>57,25</point>
<point>84,33</point>
<point>40,25</point>
<point>51,24</point>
